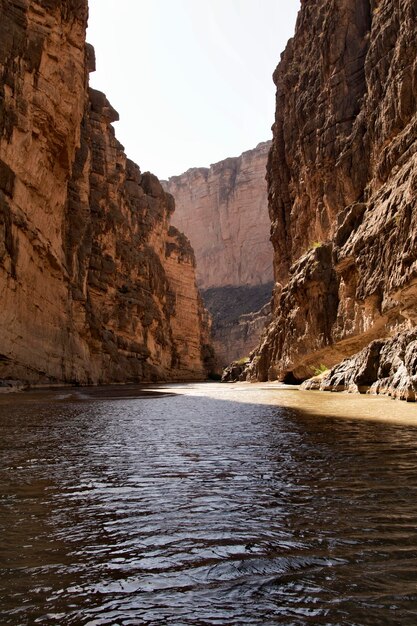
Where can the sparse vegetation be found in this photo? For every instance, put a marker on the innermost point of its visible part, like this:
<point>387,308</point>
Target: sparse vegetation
<point>243,360</point>
<point>320,369</point>
<point>312,246</point>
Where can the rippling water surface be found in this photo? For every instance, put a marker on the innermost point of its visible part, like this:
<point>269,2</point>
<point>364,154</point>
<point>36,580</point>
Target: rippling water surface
<point>207,504</point>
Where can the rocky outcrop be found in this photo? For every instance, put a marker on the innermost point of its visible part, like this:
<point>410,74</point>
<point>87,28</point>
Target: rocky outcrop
<point>239,316</point>
<point>234,372</point>
<point>385,366</point>
<point>96,286</point>
<point>223,210</point>
<point>342,181</point>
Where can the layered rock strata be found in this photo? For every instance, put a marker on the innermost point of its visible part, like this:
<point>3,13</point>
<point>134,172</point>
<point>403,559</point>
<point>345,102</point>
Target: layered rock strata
<point>223,210</point>
<point>96,286</point>
<point>342,185</point>
<point>387,366</point>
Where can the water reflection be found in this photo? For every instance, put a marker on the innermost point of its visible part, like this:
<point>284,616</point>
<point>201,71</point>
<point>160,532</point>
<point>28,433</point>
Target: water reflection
<point>210,505</point>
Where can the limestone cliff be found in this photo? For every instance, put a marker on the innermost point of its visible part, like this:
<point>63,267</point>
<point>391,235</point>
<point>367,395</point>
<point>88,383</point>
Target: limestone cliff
<point>223,210</point>
<point>95,284</point>
<point>342,185</point>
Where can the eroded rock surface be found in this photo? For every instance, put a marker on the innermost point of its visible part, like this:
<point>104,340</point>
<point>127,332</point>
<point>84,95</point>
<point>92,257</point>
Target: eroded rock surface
<point>239,316</point>
<point>95,284</point>
<point>385,366</point>
<point>224,211</point>
<point>342,180</point>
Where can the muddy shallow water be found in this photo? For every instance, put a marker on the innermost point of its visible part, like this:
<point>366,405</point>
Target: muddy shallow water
<point>207,504</point>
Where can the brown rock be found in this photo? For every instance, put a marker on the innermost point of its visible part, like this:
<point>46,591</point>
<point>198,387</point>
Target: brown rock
<point>239,316</point>
<point>223,210</point>
<point>233,372</point>
<point>342,175</point>
<point>91,276</point>
<point>386,367</point>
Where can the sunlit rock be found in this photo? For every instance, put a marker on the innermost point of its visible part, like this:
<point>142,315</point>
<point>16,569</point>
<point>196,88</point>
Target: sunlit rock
<point>95,285</point>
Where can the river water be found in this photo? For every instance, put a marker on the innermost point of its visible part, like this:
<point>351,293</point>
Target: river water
<point>207,504</point>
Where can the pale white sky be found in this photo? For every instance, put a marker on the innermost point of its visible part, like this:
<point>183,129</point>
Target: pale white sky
<point>191,79</point>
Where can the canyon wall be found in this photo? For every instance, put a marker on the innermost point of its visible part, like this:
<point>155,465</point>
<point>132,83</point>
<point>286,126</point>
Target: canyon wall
<point>224,211</point>
<point>239,315</point>
<point>96,286</point>
<point>342,186</point>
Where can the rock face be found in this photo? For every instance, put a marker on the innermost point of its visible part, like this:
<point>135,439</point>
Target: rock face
<point>342,185</point>
<point>385,366</point>
<point>239,316</point>
<point>223,210</point>
<point>95,284</point>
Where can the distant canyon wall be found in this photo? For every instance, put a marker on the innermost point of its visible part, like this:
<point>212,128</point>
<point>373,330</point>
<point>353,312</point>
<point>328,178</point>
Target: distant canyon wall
<point>223,209</point>
<point>342,186</point>
<point>96,285</point>
<point>239,315</point>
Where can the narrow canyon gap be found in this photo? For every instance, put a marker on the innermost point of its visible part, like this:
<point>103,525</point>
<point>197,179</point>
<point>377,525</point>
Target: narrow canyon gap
<point>223,209</point>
